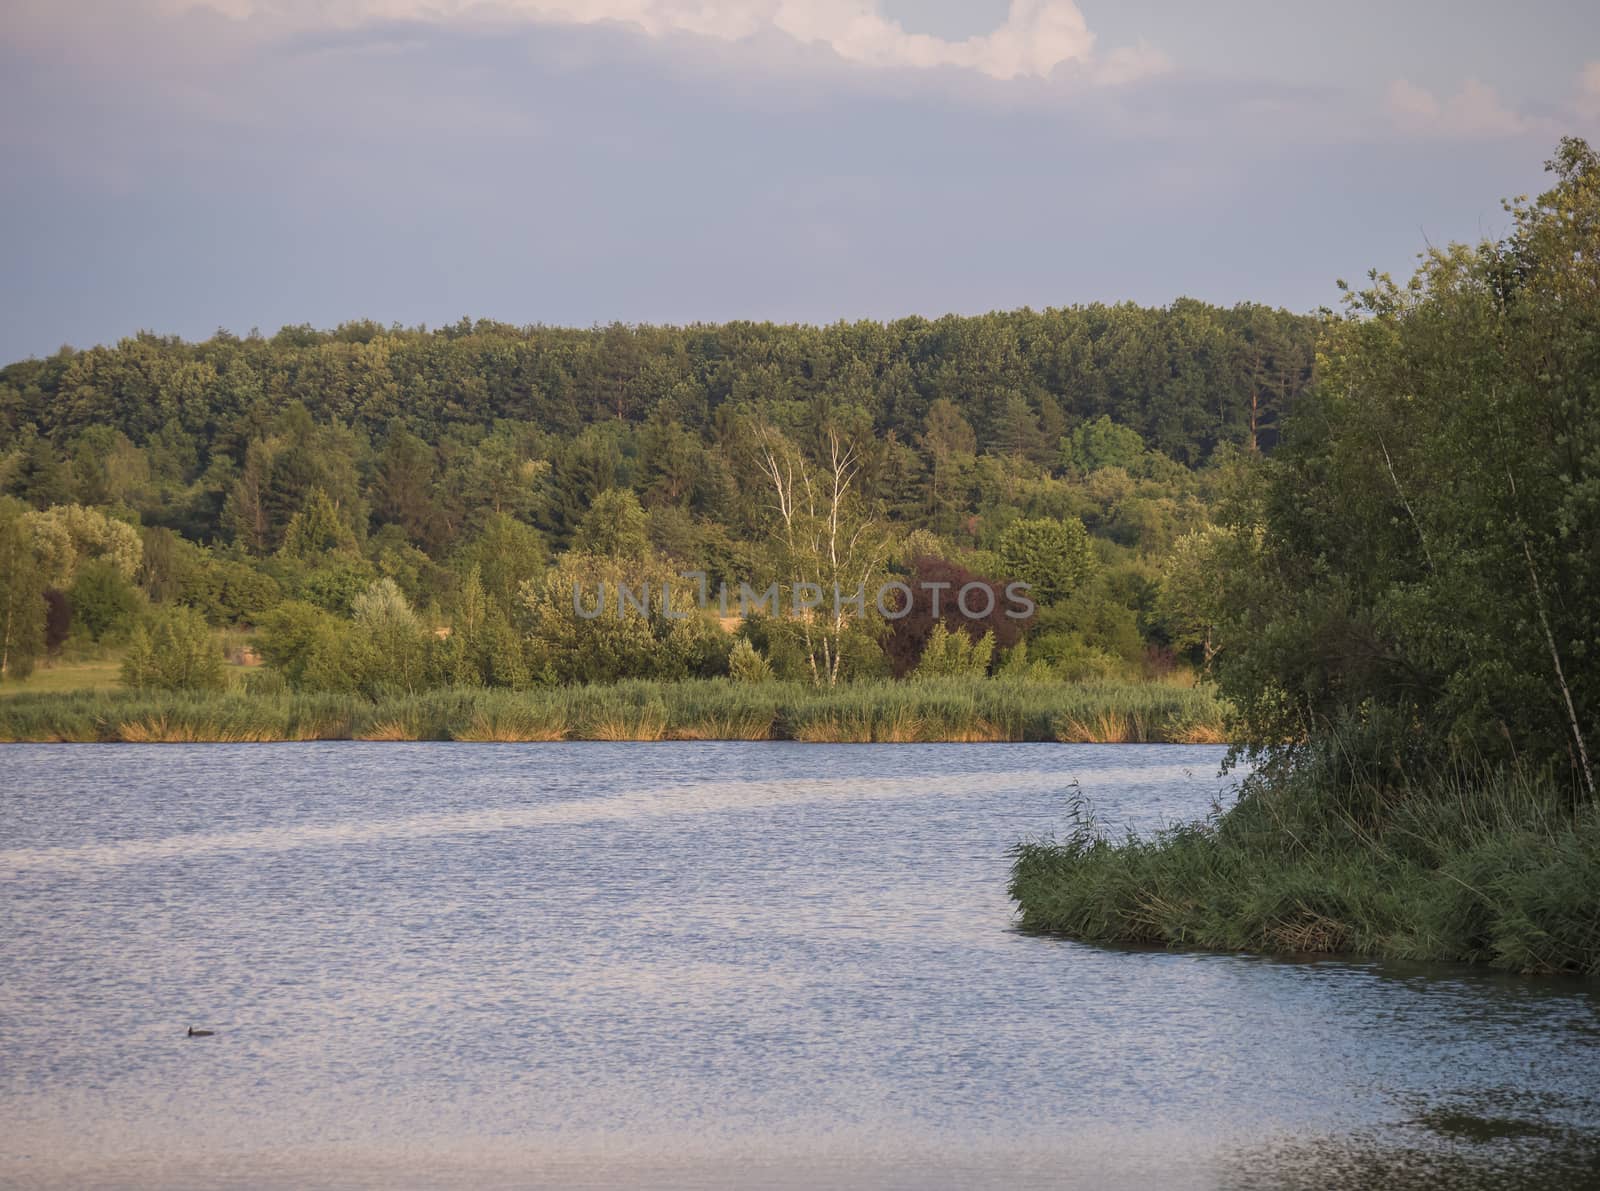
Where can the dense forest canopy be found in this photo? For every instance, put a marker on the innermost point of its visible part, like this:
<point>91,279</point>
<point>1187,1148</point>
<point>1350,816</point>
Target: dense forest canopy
<point>1187,378</point>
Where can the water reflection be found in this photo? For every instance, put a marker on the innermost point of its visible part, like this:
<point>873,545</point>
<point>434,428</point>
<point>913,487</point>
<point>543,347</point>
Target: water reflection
<point>687,965</point>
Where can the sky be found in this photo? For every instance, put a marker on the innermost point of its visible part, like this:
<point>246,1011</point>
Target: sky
<point>177,167</point>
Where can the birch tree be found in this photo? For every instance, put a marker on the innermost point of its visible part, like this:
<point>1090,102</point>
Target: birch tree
<point>830,550</point>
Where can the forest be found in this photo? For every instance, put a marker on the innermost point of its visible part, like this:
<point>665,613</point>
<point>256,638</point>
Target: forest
<point>389,510</point>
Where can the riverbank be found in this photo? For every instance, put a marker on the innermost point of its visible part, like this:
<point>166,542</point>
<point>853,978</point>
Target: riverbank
<point>1497,870</point>
<point>951,710</point>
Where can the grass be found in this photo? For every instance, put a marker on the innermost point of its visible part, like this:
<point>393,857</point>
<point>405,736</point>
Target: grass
<point>95,672</point>
<point>881,712</point>
<point>1492,868</point>
<point>90,674</point>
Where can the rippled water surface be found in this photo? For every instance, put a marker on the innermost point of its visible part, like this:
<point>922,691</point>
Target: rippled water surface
<point>696,964</point>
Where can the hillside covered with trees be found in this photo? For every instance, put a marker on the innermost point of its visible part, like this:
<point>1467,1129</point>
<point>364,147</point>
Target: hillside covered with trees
<point>396,508</point>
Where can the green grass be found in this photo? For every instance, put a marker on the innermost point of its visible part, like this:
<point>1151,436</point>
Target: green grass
<point>889,712</point>
<point>98,672</point>
<point>1488,868</point>
<point>92,674</point>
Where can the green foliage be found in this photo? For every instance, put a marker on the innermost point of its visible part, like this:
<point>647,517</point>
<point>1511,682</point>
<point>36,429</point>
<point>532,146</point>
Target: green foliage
<point>316,530</point>
<point>311,464</point>
<point>706,709</point>
<point>506,552</point>
<point>1422,542</point>
<point>173,650</point>
<point>1467,868</point>
<point>22,603</point>
<point>103,601</point>
<point>300,641</point>
<point>389,646</point>
<point>614,526</point>
<point>228,591</point>
<point>1404,603</point>
<point>1053,557</point>
<point>1102,443</point>
<point>1192,600</point>
<point>67,536</point>
<point>336,585</point>
<point>745,664</point>
<point>954,655</point>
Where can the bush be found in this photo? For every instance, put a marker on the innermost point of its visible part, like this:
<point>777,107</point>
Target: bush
<point>173,651</point>
<point>294,638</point>
<point>1053,557</point>
<point>746,665</point>
<point>955,655</point>
<point>103,600</point>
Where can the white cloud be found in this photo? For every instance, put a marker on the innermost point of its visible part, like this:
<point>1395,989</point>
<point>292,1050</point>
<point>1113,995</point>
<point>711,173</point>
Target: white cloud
<point>1036,37</point>
<point>1473,111</point>
<point>1588,102</point>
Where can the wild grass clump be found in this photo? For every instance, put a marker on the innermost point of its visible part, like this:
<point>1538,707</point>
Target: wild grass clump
<point>741,713</point>
<point>1489,867</point>
<point>508,718</point>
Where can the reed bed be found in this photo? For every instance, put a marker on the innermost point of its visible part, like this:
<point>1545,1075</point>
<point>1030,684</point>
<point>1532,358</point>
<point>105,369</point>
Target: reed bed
<point>1477,867</point>
<point>514,724</point>
<point>860,713</point>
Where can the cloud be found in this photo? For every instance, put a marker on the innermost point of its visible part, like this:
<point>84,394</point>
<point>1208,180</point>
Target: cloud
<point>1036,37</point>
<point>1588,100</point>
<point>1474,111</point>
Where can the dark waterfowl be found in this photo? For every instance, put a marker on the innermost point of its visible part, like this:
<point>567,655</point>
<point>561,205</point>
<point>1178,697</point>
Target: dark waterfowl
<point>194,1033</point>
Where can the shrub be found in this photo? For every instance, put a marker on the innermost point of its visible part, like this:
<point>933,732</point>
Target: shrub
<point>173,651</point>
<point>1053,557</point>
<point>102,599</point>
<point>746,665</point>
<point>955,655</point>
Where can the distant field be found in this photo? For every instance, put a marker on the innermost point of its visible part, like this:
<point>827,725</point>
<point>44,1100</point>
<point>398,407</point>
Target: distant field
<point>98,674</point>
<point>83,676</point>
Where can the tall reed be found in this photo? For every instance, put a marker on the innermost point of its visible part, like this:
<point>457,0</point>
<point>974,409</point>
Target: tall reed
<point>1473,866</point>
<point>949,709</point>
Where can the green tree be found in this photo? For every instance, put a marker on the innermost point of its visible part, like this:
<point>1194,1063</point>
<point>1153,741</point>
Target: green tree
<point>747,665</point>
<point>1192,600</point>
<point>22,603</point>
<point>506,552</point>
<point>951,447</point>
<point>1101,443</point>
<point>1425,555</point>
<point>615,525</point>
<point>102,599</point>
<point>297,639</point>
<point>403,491</point>
<point>954,655</point>
<point>317,530</point>
<point>397,642</point>
<point>67,536</point>
<point>173,651</point>
<point>1053,557</point>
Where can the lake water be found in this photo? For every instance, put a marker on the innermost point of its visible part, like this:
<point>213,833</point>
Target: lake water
<point>689,965</point>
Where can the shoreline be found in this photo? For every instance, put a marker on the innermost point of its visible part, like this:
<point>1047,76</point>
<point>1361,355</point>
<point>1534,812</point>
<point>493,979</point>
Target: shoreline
<point>936,712</point>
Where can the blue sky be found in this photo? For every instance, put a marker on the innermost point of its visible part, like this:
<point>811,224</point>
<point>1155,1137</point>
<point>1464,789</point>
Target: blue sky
<point>179,167</point>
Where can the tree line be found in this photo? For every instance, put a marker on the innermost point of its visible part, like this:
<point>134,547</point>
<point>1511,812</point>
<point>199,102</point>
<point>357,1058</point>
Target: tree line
<point>476,472</point>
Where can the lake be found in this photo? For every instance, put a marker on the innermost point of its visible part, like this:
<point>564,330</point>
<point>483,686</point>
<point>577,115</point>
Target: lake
<point>686,965</point>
